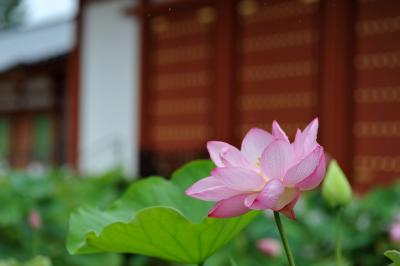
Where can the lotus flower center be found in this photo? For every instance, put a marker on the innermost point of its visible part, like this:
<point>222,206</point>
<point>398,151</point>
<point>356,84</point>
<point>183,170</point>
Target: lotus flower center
<point>258,164</point>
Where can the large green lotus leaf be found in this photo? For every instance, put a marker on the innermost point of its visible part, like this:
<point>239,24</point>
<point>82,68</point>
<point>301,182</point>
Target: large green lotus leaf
<point>394,256</point>
<point>155,218</point>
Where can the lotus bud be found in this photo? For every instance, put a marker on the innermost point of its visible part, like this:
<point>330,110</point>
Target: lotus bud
<point>269,247</point>
<point>336,189</point>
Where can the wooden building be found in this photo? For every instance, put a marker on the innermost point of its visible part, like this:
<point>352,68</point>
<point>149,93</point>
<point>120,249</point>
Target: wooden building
<point>31,114</point>
<point>34,119</point>
<point>157,79</point>
<point>212,69</point>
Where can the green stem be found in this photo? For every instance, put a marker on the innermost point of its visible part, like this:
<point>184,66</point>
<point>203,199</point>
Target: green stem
<point>338,239</point>
<point>232,261</point>
<point>284,239</point>
<point>35,242</point>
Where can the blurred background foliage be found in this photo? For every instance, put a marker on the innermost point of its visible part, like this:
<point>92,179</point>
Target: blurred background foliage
<point>11,14</point>
<point>55,194</point>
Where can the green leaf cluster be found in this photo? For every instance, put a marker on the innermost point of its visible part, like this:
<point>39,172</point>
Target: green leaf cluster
<point>155,218</point>
<point>54,195</point>
<point>394,256</point>
<point>37,261</point>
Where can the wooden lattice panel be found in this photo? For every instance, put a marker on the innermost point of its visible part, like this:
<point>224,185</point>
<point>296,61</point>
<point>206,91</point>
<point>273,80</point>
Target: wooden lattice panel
<point>277,73</point>
<point>181,79</point>
<point>377,94</point>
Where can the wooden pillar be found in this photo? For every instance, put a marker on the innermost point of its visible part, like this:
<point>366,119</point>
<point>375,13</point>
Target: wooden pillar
<point>146,161</point>
<point>72,95</point>
<point>225,70</point>
<point>144,75</point>
<point>337,79</point>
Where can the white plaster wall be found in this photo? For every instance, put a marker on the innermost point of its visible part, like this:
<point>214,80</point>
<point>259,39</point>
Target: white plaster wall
<point>108,134</point>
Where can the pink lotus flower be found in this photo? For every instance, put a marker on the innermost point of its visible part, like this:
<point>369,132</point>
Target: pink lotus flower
<point>269,247</point>
<point>268,172</point>
<point>34,219</point>
<point>394,232</point>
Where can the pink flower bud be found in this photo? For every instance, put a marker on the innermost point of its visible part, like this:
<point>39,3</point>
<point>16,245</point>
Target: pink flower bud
<point>269,247</point>
<point>34,219</point>
<point>394,232</point>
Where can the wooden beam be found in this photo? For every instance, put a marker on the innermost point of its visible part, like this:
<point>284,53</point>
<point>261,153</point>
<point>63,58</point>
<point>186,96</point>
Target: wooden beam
<point>337,79</point>
<point>165,7</point>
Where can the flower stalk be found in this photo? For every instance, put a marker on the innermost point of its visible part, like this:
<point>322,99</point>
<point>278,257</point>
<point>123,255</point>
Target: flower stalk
<point>35,243</point>
<point>338,238</point>
<point>284,239</point>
